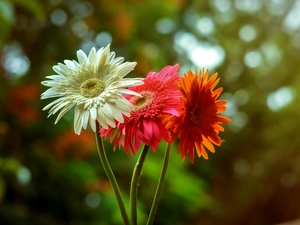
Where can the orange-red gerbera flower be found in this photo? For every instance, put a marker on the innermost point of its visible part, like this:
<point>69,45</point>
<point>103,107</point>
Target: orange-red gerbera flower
<point>199,122</point>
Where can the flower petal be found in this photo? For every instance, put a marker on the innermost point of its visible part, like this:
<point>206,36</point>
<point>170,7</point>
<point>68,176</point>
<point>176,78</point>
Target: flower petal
<point>92,57</point>
<point>82,58</point>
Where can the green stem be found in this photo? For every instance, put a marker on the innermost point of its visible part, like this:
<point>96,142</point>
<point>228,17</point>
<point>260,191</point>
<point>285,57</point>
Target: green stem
<point>159,187</point>
<point>137,172</point>
<point>111,176</point>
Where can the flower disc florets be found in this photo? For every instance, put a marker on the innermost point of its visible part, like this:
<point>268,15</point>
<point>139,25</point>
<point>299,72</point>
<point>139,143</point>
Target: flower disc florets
<point>92,88</point>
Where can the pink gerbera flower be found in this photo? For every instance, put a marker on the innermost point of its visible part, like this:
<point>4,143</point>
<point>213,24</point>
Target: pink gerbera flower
<point>159,97</point>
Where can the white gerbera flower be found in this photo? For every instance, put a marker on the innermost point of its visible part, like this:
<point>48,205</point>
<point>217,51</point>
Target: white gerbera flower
<point>95,86</point>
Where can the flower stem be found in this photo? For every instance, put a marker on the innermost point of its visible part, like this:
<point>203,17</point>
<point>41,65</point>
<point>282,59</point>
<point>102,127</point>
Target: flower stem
<point>137,172</point>
<point>111,176</point>
<point>159,187</point>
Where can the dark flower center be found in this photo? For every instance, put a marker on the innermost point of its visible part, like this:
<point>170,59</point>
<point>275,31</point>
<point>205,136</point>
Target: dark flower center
<point>92,88</point>
<point>195,114</point>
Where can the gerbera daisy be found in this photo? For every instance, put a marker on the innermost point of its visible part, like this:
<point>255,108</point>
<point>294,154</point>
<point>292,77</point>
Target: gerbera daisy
<point>199,122</point>
<point>159,96</point>
<point>94,85</point>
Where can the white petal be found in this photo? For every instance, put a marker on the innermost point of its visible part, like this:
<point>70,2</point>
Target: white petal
<point>85,119</point>
<point>129,82</point>
<point>82,58</point>
<point>93,57</point>
<point>107,110</point>
<point>77,120</point>
<point>125,68</point>
<point>76,64</point>
<point>110,58</point>
<point>58,107</point>
<point>104,55</point>
<point>93,113</point>
<point>64,111</point>
<point>50,83</point>
<point>123,108</point>
<point>70,64</point>
<point>61,69</point>
<point>124,103</point>
<point>92,123</point>
<point>117,114</point>
<point>101,119</point>
<point>129,92</point>
<point>117,61</point>
<point>50,93</point>
<point>87,103</point>
<point>55,77</point>
<point>57,101</point>
<point>99,52</point>
<point>126,113</point>
<point>110,121</point>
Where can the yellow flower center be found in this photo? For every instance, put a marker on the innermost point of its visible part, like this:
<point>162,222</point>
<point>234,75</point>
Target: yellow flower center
<point>141,102</point>
<point>195,114</point>
<point>92,88</point>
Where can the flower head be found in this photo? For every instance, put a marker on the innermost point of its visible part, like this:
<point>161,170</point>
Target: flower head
<point>199,122</point>
<point>159,96</point>
<point>94,85</point>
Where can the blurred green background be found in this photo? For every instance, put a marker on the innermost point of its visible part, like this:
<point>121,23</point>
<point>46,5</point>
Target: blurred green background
<point>50,176</point>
